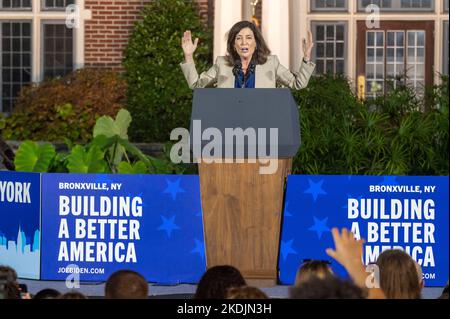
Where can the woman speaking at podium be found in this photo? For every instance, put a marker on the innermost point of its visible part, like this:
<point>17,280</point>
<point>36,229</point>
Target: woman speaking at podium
<point>248,63</point>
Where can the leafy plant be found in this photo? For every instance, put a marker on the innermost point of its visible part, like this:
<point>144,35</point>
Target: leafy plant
<point>108,127</point>
<point>158,97</point>
<point>83,160</point>
<point>65,108</point>
<point>136,168</point>
<point>340,135</point>
<point>391,135</point>
<point>34,157</point>
<point>98,156</point>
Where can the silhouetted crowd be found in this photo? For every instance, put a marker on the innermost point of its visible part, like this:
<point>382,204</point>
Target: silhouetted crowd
<point>394,275</point>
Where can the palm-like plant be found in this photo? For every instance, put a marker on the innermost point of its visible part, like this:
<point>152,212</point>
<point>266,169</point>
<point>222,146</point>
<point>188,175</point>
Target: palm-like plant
<point>389,135</point>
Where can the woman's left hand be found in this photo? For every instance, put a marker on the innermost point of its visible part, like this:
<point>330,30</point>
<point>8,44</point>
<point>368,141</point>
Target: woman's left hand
<point>307,46</point>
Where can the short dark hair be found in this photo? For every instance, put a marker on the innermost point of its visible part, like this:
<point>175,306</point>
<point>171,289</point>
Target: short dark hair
<point>73,295</point>
<point>126,284</point>
<point>8,272</point>
<point>216,281</point>
<point>328,288</point>
<point>9,287</point>
<point>47,294</point>
<point>261,52</point>
<point>444,294</point>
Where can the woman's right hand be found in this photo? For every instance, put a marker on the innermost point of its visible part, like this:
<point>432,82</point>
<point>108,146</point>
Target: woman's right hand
<point>188,46</point>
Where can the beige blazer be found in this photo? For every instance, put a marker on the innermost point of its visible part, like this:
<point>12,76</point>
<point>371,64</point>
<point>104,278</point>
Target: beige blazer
<point>268,75</point>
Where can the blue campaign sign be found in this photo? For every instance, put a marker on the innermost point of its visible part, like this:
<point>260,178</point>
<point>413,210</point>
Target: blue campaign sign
<point>19,222</point>
<point>391,212</point>
<point>95,224</point>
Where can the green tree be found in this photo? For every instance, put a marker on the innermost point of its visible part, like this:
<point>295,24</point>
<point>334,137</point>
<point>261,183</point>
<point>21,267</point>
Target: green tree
<point>159,99</point>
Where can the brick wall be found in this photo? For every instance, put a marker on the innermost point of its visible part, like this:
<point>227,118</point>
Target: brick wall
<point>107,33</point>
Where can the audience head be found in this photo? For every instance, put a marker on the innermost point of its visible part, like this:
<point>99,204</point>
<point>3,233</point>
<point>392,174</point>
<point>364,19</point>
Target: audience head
<point>47,294</point>
<point>246,292</point>
<point>73,295</point>
<point>9,273</point>
<point>126,284</point>
<point>327,288</point>
<point>9,287</point>
<point>313,268</point>
<point>398,275</point>
<point>419,275</point>
<point>217,280</point>
<point>444,294</point>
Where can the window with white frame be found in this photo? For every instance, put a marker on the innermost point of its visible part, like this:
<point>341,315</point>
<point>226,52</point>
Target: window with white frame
<point>55,50</point>
<point>58,49</point>
<point>446,6</point>
<point>398,5</point>
<point>15,60</point>
<point>415,62</point>
<point>15,5</point>
<point>329,51</point>
<point>329,5</point>
<point>395,57</point>
<point>375,63</point>
<point>56,4</point>
<point>446,44</point>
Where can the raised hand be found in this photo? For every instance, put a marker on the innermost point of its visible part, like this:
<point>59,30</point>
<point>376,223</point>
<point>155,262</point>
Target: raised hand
<point>348,250</point>
<point>307,46</point>
<point>188,46</point>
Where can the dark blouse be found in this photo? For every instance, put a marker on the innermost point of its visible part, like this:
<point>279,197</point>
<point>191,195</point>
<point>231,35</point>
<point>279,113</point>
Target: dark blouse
<point>241,82</point>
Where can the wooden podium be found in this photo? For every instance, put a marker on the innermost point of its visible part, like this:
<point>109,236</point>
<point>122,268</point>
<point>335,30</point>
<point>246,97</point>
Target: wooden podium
<point>242,209</point>
<point>242,218</point>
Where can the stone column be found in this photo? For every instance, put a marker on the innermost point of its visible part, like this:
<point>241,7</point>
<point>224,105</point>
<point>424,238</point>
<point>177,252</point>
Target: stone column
<point>275,28</point>
<point>227,13</point>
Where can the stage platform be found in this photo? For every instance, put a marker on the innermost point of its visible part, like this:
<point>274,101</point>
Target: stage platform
<point>96,290</point>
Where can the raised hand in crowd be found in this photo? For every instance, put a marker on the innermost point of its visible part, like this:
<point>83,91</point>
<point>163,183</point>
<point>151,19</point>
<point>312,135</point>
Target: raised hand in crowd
<point>348,252</point>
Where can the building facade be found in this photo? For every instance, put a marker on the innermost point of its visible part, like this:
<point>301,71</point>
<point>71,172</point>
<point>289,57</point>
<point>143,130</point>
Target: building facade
<point>376,43</point>
<point>47,38</point>
<point>383,44</point>
<point>375,46</point>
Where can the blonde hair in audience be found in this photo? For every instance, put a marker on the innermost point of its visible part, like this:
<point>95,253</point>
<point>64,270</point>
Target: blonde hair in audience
<point>313,268</point>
